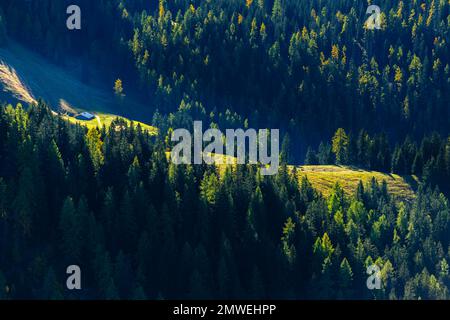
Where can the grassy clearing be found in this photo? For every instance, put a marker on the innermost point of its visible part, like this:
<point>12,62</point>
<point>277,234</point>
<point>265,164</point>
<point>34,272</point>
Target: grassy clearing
<point>102,120</point>
<point>25,75</point>
<point>323,178</point>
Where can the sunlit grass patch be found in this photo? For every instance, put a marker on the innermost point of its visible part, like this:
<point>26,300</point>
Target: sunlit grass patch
<point>104,120</point>
<point>323,178</point>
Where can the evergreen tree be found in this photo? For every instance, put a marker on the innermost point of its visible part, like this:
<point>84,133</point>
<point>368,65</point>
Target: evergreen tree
<point>345,278</point>
<point>70,230</point>
<point>3,287</point>
<point>325,155</point>
<point>311,158</point>
<point>3,36</point>
<point>51,288</point>
<point>341,146</point>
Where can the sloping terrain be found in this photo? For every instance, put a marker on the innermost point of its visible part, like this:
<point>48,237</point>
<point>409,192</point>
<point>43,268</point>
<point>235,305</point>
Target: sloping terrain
<point>323,178</point>
<point>13,84</point>
<point>25,76</point>
<point>102,119</point>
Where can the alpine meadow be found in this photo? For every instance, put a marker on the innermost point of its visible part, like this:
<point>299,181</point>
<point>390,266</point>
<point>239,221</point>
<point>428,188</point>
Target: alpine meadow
<point>346,104</point>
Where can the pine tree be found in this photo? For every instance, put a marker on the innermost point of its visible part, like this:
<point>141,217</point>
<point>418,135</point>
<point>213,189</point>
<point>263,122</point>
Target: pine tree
<point>257,290</point>
<point>3,287</point>
<point>287,240</point>
<point>51,288</point>
<point>447,156</point>
<point>345,278</point>
<point>25,202</point>
<point>256,215</point>
<point>118,88</point>
<point>263,32</point>
<point>3,36</point>
<point>311,158</point>
<point>162,9</point>
<point>54,176</point>
<point>223,280</point>
<point>3,198</point>
<point>123,275</point>
<point>95,145</point>
<point>336,201</point>
<point>277,11</point>
<point>285,155</point>
<point>138,294</point>
<point>126,224</point>
<point>104,280</point>
<point>199,289</point>
<point>340,146</point>
<point>70,230</point>
<point>325,154</point>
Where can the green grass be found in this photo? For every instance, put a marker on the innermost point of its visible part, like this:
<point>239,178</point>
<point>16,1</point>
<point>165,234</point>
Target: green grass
<point>25,75</point>
<point>106,120</point>
<point>323,178</point>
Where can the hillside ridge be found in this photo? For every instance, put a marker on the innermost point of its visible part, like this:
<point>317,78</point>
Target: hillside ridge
<point>26,76</point>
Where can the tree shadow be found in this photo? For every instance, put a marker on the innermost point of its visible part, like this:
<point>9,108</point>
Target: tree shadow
<point>411,181</point>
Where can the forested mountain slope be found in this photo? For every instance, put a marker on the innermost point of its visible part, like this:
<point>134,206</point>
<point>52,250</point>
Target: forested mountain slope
<point>142,227</point>
<point>314,62</point>
<point>27,76</point>
<point>351,103</point>
<point>324,178</point>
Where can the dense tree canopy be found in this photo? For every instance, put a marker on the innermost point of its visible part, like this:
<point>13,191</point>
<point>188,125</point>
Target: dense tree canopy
<point>314,62</point>
<point>141,227</point>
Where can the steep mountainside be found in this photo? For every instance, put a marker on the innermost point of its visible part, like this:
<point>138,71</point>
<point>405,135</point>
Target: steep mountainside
<point>26,76</point>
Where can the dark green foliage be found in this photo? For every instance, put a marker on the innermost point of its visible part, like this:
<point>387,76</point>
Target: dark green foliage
<point>306,67</point>
<point>186,232</point>
<point>311,158</point>
<point>140,227</point>
<point>3,35</point>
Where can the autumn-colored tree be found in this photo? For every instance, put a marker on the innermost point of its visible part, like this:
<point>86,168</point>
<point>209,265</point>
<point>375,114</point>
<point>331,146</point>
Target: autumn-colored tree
<point>118,87</point>
<point>341,146</point>
<point>95,144</point>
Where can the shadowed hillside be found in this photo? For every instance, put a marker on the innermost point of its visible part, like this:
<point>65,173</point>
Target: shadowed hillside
<point>26,76</point>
